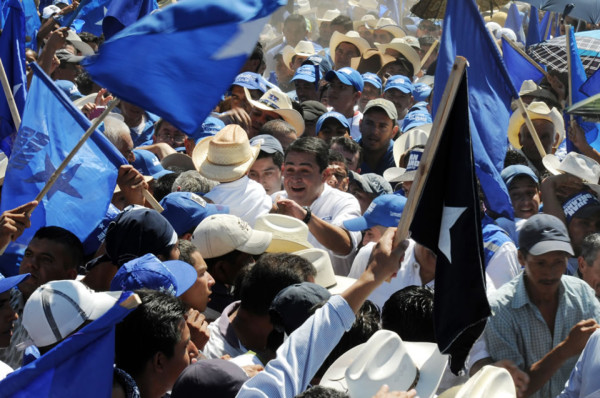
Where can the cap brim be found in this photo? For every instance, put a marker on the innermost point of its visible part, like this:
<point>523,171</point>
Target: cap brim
<point>393,174</point>
<point>278,245</point>
<point>356,224</point>
<point>103,301</point>
<point>551,246</point>
<point>552,163</point>
<point>184,273</point>
<point>291,116</point>
<point>12,281</point>
<point>257,244</point>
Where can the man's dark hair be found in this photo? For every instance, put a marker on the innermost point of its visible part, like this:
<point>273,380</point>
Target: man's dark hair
<point>335,156</point>
<point>84,83</point>
<point>348,144</point>
<point>322,392</point>
<point>258,54</point>
<point>295,18</point>
<point>154,326</point>
<point>366,324</point>
<point>426,40</point>
<point>186,248</point>
<point>344,21</point>
<point>409,312</point>
<point>162,186</point>
<point>313,145</point>
<point>72,244</point>
<point>277,128</point>
<point>264,280</point>
<point>276,156</point>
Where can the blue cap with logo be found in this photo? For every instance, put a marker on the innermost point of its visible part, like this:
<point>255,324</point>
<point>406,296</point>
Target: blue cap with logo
<point>511,172</point>
<point>421,92</point>
<point>385,210</point>
<point>399,82</point>
<point>148,164</point>
<point>415,119</point>
<point>581,205</point>
<point>185,210</point>
<point>347,76</point>
<point>95,239</point>
<point>148,272</point>
<point>332,115</point>
<point>210,127</point>
<point>250,80</point>
<point>69,88</point>
<point>322,62</point>
<point>306,73</point>
<point>372,79</point>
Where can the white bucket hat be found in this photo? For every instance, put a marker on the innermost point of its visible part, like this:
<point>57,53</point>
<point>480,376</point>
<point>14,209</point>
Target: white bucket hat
<point>576,164</point>
<point>537,111</point>
<point>289,233</point>
<point>277,101</point>
<point>336,284</point>
<point>303,48</point>
<point>406,50</point>
<point>489,382</point>
<point>351,37</point>
<point>412,138</point>
<point>386,359</point>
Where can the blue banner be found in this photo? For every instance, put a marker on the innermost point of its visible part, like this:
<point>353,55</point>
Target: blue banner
<point>519,68</point>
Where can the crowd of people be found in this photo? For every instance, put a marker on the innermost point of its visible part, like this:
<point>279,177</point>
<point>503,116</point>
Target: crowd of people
<point>268,267</point>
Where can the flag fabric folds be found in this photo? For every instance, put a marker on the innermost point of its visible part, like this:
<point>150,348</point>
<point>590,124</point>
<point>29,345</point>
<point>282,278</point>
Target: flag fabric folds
<point>123,13</point>
<point>80,366</point>
<point>591,85</point>
<point>518,67</point>
<point>546,26</point>
<point>490,94</point>
<point>533,30</point>
<point>447,221</point>
<point>91,12</point>
<point>178,62</point>
<point>12,53</point>
<point>514,21</point>
<point>50,129</point>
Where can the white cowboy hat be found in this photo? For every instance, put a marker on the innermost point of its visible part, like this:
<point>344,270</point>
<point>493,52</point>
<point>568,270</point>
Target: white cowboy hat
<point>329,15</point>
<point>399,174</point>
<point>336,284</point>
<point>351,37</point>
<point>386,359</point>
<point>370,5</point>
<point>226,156</point>
<point>490,382</point>
<point>275,100</point>
<point>576,164</point>
<point>303,48</point>
<point>390,26</point>
<point>537,111</point>
<point>369,21</point>
<point>413,137</point>
<point>289,233</point>
<point>406,50</point>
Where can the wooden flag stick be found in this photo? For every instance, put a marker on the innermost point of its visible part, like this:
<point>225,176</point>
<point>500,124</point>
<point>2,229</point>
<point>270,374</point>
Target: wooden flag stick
<point>131,302</point>
<point>429,52</point>
<point>9,97</point>
<point>524,55</point>
<point>549,24</point>
<point>441,118</point>
<point>531,127</point>
<point>153,202</point>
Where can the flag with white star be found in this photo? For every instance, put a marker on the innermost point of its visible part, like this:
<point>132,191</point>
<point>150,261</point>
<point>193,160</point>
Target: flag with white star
<point>50,129</point>
<point>177,63</point>
<point>447,221</point>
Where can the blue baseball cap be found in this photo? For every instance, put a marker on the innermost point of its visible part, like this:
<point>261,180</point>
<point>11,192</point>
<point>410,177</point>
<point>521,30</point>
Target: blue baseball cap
<point>148,272</point>
<point>268,143</point>
<point>372,79</point>
<point>384,210</point>
<point>69,88</point>
<point>399,82</point>
<point>95,239</point>
<point>347,76</point>
<point>322,62</point>
<point>511,172</point>
<point>148,164</point>
<point>306,73</point>
<point>421,92</point>
<point>185,210</point>
<point>250,80</point>
<point>210,127</point>
<point>8,283</point>
<point>332,115</point>
<point>414,119</point>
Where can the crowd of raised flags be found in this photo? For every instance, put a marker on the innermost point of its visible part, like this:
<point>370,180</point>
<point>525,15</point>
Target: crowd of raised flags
<point>197,198</point>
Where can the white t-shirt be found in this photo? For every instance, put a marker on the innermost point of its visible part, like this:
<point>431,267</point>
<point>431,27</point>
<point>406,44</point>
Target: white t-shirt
<point>504,265</point>
<point>4,370</point>
<point>354,123</point>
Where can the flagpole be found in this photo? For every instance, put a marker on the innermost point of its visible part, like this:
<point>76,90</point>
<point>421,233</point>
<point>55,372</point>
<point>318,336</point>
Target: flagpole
<point>524,55</point>
<point>429,52</point>
<point>441,117</point>
<point>10,97</point>
<point>152,200</point>
<point>531,127</point>
<point>548,25</point>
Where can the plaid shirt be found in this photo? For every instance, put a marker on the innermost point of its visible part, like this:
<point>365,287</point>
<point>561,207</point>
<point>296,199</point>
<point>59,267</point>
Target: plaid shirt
<point>517,331</point>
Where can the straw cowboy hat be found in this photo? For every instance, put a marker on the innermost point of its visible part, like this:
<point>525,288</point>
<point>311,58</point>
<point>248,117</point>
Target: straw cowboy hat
<point>366,4</point>
<point>489,382</point>
<point>336,284</point>
<point>329,15</point>
<point>369,21</point>
<point>370,61</point>
<point>412,138</point>
<point>576,164</point>
<point>303,48</point>
<point>351,37</point>
<point>226,156</point>
<point>390,26</point>
<point>289,233</point>
<point>405,49</point>
<point>274,100</point>
<point>537,111</point>
<point>386,359</point>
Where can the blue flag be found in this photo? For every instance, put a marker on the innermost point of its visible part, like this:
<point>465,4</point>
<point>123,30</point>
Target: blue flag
<point>50,129</point>
<point>592,85</point>
<point>545,26</point>
<point>514,21</point>
<point>159,75</point>
<point>12,53</point>
<point>490,94</point>
<point>32,23</point>
<point>519,68</point>
<point>91,12</point>
<point>123,13</point>
<point>533,30</point>
<point>79,366</point>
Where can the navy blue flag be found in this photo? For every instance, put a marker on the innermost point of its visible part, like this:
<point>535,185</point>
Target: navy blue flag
<point>514,21</point>
<point>533,30</point>
<point>490,94</point>
<point>12,53</point>
<point>182,59</point>
<point>79,366</point>
<point>50,129</point>
<point>591,85</point>
<point>519,68</point>
<point>447,221</point>
<point>123,13</point>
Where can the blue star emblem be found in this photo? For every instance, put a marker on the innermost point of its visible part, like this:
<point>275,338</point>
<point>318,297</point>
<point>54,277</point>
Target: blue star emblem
<point>63,182</point>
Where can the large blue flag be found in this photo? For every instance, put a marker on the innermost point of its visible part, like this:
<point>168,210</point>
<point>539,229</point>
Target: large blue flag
<point>490,94</point>
<point>50,129</point>
<point>533,30</point>
<point>179,61</point>
<point>592,85</point>
<point>514,21</point>
<point>123,13</point>
<point>519,68</point>
<point>79,366</point>
<point>12,53</point>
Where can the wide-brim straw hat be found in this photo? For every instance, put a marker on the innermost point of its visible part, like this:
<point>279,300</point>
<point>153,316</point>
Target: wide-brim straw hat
<point>406,50</point>
<point>412,138</point>
<point>351,37</point>
<point>537,111</point>
<point>369,21</point>
<point>575,164</point>
<point>289,233</point>
<point>277,101</point>
<point>303,48</point>
<point>370,61</point>
<point>226,156</point>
